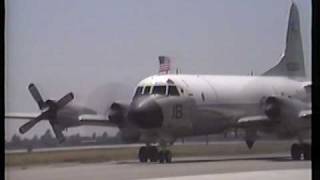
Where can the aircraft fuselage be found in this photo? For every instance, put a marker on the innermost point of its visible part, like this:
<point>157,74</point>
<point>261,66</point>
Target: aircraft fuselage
<point>209,104</point>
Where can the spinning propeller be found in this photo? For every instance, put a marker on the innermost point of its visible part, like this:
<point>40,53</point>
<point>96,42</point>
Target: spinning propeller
<point>49,110</point>
<point>271,107</point>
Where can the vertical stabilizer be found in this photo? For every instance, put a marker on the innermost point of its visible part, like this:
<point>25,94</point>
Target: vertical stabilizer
<point>292,61</point>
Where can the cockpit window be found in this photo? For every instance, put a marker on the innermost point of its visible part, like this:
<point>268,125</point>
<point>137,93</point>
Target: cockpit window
<point>146,90</point>
<point>138,91</point>
<point>173,91</point>
<point>159,90</point>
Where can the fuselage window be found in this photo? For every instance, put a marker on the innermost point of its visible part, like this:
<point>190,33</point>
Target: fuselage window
<point>138,91</point>
<point>146,90</point>
<point>173,91</point>
<point>159,90</point>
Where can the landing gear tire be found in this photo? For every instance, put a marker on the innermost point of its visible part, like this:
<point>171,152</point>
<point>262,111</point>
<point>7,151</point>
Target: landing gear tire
<point>307,151</point>
<point>154,154</point>
<point>143,154</point>
<point>296,151</point>
<point>161,157</point>
<point>168,156</point>
<point>148,153</point>
<point>151,153</point>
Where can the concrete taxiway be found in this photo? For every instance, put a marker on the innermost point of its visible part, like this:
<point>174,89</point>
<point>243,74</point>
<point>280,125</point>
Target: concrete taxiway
<point>262,166</point>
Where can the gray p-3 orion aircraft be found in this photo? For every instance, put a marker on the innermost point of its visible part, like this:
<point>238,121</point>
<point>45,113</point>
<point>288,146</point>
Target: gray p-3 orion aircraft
<point>165,107</point>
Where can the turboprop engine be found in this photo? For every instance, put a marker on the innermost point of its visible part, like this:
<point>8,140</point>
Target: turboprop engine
<point>58,113</point>
<point>272,107</point>
<point>118,114</point>
<point>284,114</point>
<point>284,111</point>
<point>282,108</point>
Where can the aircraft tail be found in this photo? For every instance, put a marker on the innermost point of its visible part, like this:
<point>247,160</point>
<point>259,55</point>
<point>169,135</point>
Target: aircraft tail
<point>292,61</point>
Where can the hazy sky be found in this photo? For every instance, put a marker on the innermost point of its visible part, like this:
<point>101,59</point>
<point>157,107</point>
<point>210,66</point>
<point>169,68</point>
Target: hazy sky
<point>87,46</point>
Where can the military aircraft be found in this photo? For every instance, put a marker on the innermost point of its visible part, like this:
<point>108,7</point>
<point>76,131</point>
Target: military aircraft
<point>169,106</point>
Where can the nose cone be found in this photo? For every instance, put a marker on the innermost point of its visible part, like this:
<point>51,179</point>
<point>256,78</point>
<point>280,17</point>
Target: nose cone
<point>145,113</point>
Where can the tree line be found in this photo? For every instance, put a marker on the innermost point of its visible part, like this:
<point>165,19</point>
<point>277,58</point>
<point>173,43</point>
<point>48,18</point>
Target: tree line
<point>48,140</point>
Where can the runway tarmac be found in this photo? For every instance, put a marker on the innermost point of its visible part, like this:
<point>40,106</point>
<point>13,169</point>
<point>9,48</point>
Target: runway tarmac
<point>261,166</point>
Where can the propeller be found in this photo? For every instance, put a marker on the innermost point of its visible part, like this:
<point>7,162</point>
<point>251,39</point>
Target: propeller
<point>51,108</point>
<point>117,113</point>
<point>36,96</point>
<point>272,107</point>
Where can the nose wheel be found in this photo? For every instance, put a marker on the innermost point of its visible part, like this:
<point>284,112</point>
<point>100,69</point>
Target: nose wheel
<point>299,150</point>
<point>152,154</point>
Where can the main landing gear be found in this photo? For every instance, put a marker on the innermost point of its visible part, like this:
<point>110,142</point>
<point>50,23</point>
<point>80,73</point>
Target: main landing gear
<point>297,150</point>
<point>154,155</point>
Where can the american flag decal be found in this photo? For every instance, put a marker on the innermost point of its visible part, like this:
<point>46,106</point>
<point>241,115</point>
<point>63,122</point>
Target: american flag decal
<point>164,64</point>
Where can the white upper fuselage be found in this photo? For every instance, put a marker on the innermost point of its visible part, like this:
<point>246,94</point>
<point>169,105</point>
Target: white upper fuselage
<point>227,89</point>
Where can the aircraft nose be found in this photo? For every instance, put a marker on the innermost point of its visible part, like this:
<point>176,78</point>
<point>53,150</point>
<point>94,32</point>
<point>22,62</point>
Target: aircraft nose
<point>146,113</point>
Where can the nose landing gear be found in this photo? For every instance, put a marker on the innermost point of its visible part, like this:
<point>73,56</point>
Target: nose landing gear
<point>297,150</point>
<point>153,154</point>
<point>148,153</point>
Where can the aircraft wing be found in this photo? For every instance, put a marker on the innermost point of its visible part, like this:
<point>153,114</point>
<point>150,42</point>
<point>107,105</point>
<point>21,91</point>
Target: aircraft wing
<point>95,120</point>
<point>21,116</point>
<point>305,114</point>
<point>84,119</point>
<point>249,119</point>
<point>254,121</point>
<point>263,120</point>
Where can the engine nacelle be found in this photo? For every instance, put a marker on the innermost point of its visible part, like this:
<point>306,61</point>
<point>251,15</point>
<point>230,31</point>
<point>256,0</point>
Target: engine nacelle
<point>118,113</point>
<point>284,112</point>
<point>278,107</point>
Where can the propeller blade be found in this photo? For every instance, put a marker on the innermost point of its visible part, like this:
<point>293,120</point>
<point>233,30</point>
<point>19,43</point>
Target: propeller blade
<point>65,100</point>
<point>27,126</point>
<point>58,132</point>
<point>116,113</point>
<point>272,107</point>
<point>36,95</point>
